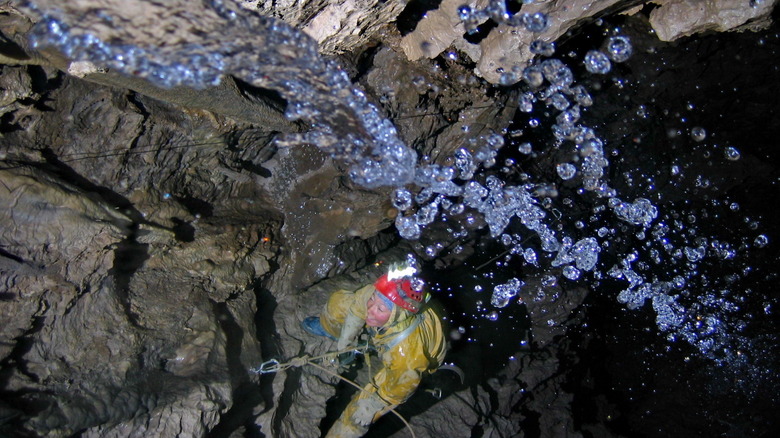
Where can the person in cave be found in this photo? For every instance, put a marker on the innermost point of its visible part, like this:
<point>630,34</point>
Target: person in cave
<point>406,332</point>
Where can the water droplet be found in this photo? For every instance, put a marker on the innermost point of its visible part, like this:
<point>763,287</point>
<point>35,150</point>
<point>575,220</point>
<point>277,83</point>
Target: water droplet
<point>566,170</point>
<point>525,148</point>
<point>694,254</point>
<point>557,73</point>
<point>529,255</point>
<point>407,227</point>
<point>533,76</point>
<point>619,48</point>
<point>526,102</point>
<point>698,133</point>
<point>585,253</point>
<point>464,12</point>
<point>731,153</point>
<point>507,78</point>
<point>597,63</point>
<point>761,241</point>
<point>640,212</point>
<point>543,48</point>
<point>571,272</point>
<point>581,95</point>
<point>402,199</point>
<point>549,281</point>
<point>535,23</point>
<point>502,293</point>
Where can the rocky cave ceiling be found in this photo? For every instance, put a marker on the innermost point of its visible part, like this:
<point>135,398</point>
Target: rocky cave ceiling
<point>167,218</point>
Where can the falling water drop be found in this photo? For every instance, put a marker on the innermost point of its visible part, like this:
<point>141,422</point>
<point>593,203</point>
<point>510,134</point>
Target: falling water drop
<point>533,76</point>
<point>761,241</point>
<point>731,153</point>
<point>698,133</point>
<point>535,23</point>
<point>571,272</point>
<point>566,170</point>
<point>539,47</point>
<point>402,199</point>
<point>526,102</point>
<point>525,148</point>
<point>619,48</point>
<point>597,63</point>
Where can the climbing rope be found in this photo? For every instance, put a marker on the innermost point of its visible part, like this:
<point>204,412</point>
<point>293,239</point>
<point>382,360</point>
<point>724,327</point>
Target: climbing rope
<point>273,366</point>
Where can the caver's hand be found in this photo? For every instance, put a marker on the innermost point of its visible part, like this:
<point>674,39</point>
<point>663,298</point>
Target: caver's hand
<point>367,408</point>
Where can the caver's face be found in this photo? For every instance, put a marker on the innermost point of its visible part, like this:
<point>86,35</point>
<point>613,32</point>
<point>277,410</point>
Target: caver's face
<point>377,311</point>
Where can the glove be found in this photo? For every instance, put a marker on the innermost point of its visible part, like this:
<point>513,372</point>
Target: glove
<point>347,359</point>
<point>341,362</point>
<point>349,331</point>
<point>367,408</point>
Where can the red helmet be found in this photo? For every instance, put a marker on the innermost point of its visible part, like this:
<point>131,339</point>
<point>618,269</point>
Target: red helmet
<point>400,292</point>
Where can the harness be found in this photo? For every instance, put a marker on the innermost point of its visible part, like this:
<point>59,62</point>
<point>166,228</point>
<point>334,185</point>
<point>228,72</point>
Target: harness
<point>400,336</point>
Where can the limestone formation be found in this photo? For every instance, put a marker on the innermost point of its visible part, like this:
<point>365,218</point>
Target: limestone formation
<point>675,19</point>
<point>506,48</point>
<point>157,242</point>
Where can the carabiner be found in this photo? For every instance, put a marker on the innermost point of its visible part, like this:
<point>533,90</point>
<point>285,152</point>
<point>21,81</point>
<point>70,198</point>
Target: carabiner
<point>270,366</point>
<point>435,392</point>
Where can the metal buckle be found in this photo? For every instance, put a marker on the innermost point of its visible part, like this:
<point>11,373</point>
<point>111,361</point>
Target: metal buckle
<point>270,366</point>
<point>436,393</point>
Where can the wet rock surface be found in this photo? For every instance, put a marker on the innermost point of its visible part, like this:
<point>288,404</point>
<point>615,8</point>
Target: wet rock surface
<point>156,243</point>
<point>500,48</point>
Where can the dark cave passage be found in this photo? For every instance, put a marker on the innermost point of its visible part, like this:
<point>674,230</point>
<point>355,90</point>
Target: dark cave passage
<point>216,234</point>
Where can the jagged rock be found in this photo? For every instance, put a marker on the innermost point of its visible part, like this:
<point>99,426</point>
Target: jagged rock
<point>227,98</point>
<point>155,244</point>
<point>550,308</point>
<point>320,212</point>
<point>440,29</point>
<point>675,19</point>
<point>505,48</point>
<point>445,108</point>
<point>468,412</point>
<point>98,316</point>
<point>187,230</point>
<point>338,27</point>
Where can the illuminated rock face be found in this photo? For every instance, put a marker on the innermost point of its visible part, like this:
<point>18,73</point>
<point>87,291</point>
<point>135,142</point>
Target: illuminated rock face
<point>157,242</point>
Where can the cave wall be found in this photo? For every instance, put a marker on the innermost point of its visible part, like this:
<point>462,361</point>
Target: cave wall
<point>156,243</point>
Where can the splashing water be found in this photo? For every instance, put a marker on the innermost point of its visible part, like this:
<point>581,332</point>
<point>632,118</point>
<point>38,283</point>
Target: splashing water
<point>597,62</point>
<point>503,293</point>
<point>619,48</point>
<point>344,124</point>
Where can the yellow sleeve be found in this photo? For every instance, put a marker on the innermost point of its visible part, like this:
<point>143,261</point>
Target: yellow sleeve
<point>402,371</point>
<point>358,307</point>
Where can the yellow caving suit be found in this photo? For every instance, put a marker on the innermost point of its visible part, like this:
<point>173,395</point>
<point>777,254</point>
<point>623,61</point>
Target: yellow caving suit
<point>403,364</point>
